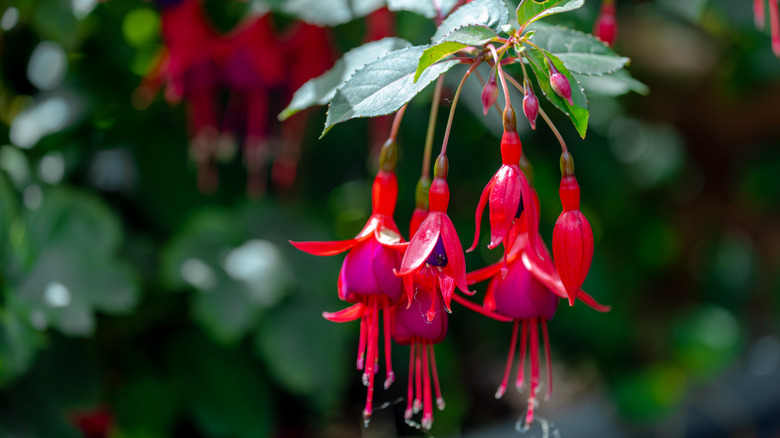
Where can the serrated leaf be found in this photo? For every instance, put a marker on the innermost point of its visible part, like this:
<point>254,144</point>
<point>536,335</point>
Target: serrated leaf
<point>320,90</point>
<point>490,13</point>
<point>382,87</point>
<point>331,12</point>
<point>473,35</point>
<point>436,53</point>
<point>529,11</point>
<point>578,112</point>
<point>580,52</point>
<point>613,85</point>
<point>426,8</point>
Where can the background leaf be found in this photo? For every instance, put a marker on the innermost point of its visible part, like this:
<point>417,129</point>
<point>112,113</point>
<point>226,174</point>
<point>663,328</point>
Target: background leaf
<point>382,87</point>
<point>490,13</point>
<point>580,52</point>
<point>332,12</point>
<point>320,90</point>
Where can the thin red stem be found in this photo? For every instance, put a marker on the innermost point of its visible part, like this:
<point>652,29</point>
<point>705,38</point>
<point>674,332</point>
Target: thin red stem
<point>507,98</point>
<point>454,105</point>
<point>399,115</point>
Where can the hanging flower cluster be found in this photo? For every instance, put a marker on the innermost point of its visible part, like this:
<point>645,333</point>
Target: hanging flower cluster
<point>255,67</point>
<point>774,21</point>
<point>401,290</point>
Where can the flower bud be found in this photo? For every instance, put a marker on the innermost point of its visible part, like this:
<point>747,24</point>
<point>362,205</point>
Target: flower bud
<point>560,85</point>
<point>605,27</point>
<point>489,94</point>
<point>530,105</point>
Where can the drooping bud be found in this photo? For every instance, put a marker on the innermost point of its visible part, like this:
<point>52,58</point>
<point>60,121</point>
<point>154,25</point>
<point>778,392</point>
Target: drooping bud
<point>489,93</point>
<point>774,25</point>
<point>559,83</point>
<point>758,13</point>
<point>572,235</point>
<point>530,104</point>
<point>605,27</point>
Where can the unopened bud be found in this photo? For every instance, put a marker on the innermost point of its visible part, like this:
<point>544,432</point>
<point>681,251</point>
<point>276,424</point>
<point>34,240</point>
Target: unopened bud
<point>559,83</point>
<point>489,94</point>
<point>530,106</point>
<point>605,27</point>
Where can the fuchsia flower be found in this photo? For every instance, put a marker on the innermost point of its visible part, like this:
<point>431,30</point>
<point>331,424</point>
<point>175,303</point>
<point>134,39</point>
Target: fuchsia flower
<point>572,235</point>
<point>528,294</point>
<point>605,27</point>
<point>411,327</point>
<point>435,248</point>
<point>505,191</point>
<point>367,278</point>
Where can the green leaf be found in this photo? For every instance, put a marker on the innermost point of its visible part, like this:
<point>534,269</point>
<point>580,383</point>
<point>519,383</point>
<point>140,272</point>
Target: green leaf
<point>320,90</point>
<point>490,13</point>
<point>578,112</point>
<point>426,8</point>
<point>529,11</point>
<point>436,53</point>
<point>615,84</point>
<point>331,12</point>
<point>580,52</point>
<point>382,87</point>
<point>473,35</point>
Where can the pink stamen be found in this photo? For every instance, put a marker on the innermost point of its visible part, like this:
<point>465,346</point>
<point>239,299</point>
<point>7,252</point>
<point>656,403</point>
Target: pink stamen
<point>361,359</point>
<point>439,399</point>
<point>388,349</point>
<point>417,378</point>
<point>427,419</point>
<point>547,358</point>
<point>520,382</point>
<point>502,388</point>
<point>370,372</point>
<point>410,386</point>
<point>529,418</point>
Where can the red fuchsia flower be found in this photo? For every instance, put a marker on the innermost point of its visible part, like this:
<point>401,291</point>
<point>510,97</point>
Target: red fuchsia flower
<point>367,276</point>
<point>505,190</point>
<point>412,327</point>
<point>605,27</point>
<point>94,423</point>
<point>528,294</point>
<point>435,247</point>
<point>572,235</point>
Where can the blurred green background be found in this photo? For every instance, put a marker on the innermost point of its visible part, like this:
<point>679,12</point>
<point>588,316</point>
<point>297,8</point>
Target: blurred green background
<point>128,296</point>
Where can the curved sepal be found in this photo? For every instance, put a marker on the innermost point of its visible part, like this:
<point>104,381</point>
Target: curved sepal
<point>325,248</point>
<point>483,200</point>
<point>351,313</point>
<point>422,244</point>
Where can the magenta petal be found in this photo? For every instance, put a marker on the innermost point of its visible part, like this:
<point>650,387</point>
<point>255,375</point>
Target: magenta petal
<point>422,243</point>
<point>521,296</point>
<point>385,261</point>
<point>358,267</point>
<point>457,262</point>
<point>413,318</point>
<point>504,200</point>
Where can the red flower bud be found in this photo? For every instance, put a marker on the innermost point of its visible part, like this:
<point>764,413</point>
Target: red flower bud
<point>572,240</point>
<point>560,84</point>
<point>605,28</point>
<point>489,94</point>
<point>530,106</point>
